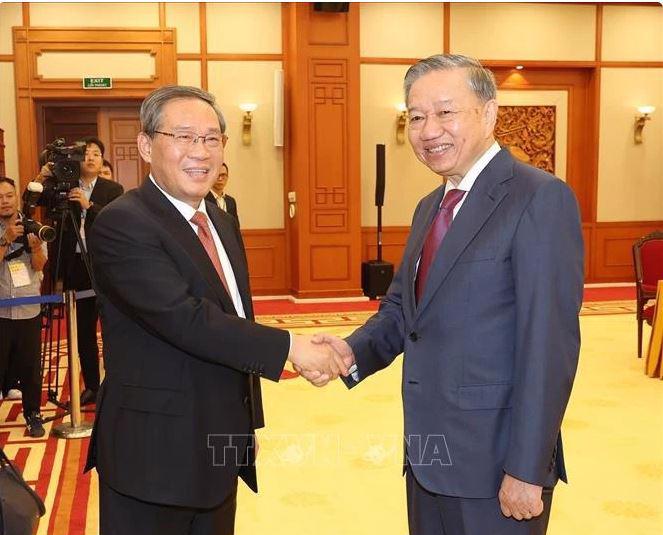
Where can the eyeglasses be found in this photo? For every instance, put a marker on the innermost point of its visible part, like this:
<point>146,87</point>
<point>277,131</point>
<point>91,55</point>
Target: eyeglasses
<point>186,139</point>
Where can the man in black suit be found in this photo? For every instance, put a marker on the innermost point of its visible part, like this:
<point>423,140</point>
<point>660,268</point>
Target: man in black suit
<point>181,397</point>
<point>223,200</point>
<point>86,201</point>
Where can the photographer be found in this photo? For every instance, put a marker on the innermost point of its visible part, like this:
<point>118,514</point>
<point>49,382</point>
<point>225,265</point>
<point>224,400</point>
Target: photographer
<point>22,259</point>
<point>85,201</point>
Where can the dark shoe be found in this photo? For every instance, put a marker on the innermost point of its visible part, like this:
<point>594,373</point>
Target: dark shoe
<point>35,425</point>
<point>88,397</point>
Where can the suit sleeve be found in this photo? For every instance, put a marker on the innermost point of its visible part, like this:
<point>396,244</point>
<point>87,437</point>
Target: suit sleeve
<point>136,273</point>
<point>381,339</point>
<point>548,273</point>
<point>114,190</point>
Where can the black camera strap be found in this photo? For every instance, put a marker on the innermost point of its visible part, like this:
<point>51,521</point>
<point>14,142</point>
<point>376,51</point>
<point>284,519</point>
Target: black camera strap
<point>15,254</point>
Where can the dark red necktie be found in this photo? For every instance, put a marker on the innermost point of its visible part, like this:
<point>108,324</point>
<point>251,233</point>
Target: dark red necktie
<point>436,233</point>
<point>205,235</point>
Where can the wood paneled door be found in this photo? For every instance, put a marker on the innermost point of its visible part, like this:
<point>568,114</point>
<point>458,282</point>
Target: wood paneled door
<point>118,128</point>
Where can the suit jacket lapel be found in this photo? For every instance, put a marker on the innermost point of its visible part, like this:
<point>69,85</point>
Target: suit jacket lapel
<point>419,237</point>
<point>482,200</point>
<point>184,235</point>
<point>225,226</point>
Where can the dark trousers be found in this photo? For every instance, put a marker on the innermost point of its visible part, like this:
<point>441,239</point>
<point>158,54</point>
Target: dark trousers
<point>434,514</point>
<point>20,351</point>
<point>124,515</point>
<point>86,323</point>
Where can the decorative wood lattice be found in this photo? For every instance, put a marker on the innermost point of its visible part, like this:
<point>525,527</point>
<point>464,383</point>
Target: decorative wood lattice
<point>529,133</point>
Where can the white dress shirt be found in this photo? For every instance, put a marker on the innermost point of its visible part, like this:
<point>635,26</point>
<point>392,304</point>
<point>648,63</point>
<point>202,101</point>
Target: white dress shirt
<point>187,213</point>
<point>465,184</point>
<point>470,177</point>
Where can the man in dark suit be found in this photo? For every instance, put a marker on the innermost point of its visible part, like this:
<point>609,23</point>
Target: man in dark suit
<point>485,309</point>
<point>86,201</point>
<point>217,195</point>
<point>181,398</point>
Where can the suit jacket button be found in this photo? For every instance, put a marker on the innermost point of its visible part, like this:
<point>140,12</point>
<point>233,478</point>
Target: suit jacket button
<point>414,336</point>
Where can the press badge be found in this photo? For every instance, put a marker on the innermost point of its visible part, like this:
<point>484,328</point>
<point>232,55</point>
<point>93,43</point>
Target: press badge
<point>19,273</point>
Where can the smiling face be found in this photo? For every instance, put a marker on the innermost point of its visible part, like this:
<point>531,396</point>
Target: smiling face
<point>450,128</point>
<point>186,172</point>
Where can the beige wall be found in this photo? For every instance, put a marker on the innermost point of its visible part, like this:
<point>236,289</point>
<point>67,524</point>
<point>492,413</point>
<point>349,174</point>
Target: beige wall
<point>8,118</point>
<point>407,180</point>
<point>138,65</point>
<point>253,28</point>
<point>632,33</point>
<point>523,31</point>
<point>630,175</point>
<point>189,73</point>
<point>185,18</point>
<point>91,15</point>
<point>256,170</point>
<point>400,31</point>
<point>393,30</point>
<point>10,15</point>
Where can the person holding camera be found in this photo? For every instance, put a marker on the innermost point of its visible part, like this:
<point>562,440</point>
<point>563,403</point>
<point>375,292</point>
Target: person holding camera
<point>22,260</point>
<point>86,201</point>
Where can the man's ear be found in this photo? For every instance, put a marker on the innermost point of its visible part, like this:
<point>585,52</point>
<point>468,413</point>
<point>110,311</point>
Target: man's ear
<point>490,114</point>
<point>144,146</point>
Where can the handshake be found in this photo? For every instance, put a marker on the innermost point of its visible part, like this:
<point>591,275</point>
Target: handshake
<point>321,358</point>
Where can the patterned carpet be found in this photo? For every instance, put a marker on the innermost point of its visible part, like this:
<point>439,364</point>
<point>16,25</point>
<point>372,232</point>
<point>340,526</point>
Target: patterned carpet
<point>613,431</point>
<point>356,318</point>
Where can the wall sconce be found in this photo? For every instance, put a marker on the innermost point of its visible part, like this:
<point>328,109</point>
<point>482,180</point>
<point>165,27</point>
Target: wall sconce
<point>640,121</point>
<point>401,121</point>
<point>248,108</point>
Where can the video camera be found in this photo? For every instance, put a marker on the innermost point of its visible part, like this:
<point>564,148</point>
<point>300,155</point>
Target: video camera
<point>65,167</point>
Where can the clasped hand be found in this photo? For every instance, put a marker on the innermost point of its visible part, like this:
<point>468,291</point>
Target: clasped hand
<point>321,358</point>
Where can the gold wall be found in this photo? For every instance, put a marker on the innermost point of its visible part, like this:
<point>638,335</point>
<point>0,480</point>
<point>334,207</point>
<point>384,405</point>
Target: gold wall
<point>400,31</point>
<point>233,50</point>
<point>256,170</point>
<point>630,175</point>
<point>91,15</point>
<point>632,33</point>
<point>523,31</point>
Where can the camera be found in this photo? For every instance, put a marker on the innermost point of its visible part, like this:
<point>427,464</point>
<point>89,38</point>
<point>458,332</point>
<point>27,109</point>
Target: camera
<point>31,197</point>
<point>66,171</point>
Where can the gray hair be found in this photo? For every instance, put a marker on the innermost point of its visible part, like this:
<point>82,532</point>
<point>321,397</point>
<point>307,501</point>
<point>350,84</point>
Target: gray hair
<point>150,109</point>
<point>481,80</point>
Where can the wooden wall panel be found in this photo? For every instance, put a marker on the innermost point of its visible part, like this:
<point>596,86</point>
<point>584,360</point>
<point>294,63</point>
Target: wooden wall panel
<point>321,63</point>
<point>266,254</point>
<point>607,247</point>
<point>582,140</point>
<point>393,244</point>
<point>30,43</point>
<point>2,152</point>
<point>611,249</point>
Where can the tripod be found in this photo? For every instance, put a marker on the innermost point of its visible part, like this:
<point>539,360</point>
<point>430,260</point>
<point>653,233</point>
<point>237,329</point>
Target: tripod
<point>52,344</point>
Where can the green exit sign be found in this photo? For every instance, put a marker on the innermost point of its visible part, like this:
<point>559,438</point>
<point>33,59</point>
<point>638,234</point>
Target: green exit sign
<point>97,82</point>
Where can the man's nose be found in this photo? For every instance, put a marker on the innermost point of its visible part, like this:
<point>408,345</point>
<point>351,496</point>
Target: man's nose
<point>198,149</point>
<point>431,128</point>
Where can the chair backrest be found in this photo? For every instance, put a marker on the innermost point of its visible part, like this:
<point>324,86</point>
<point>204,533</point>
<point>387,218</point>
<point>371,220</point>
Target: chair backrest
<point>648,258</point>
